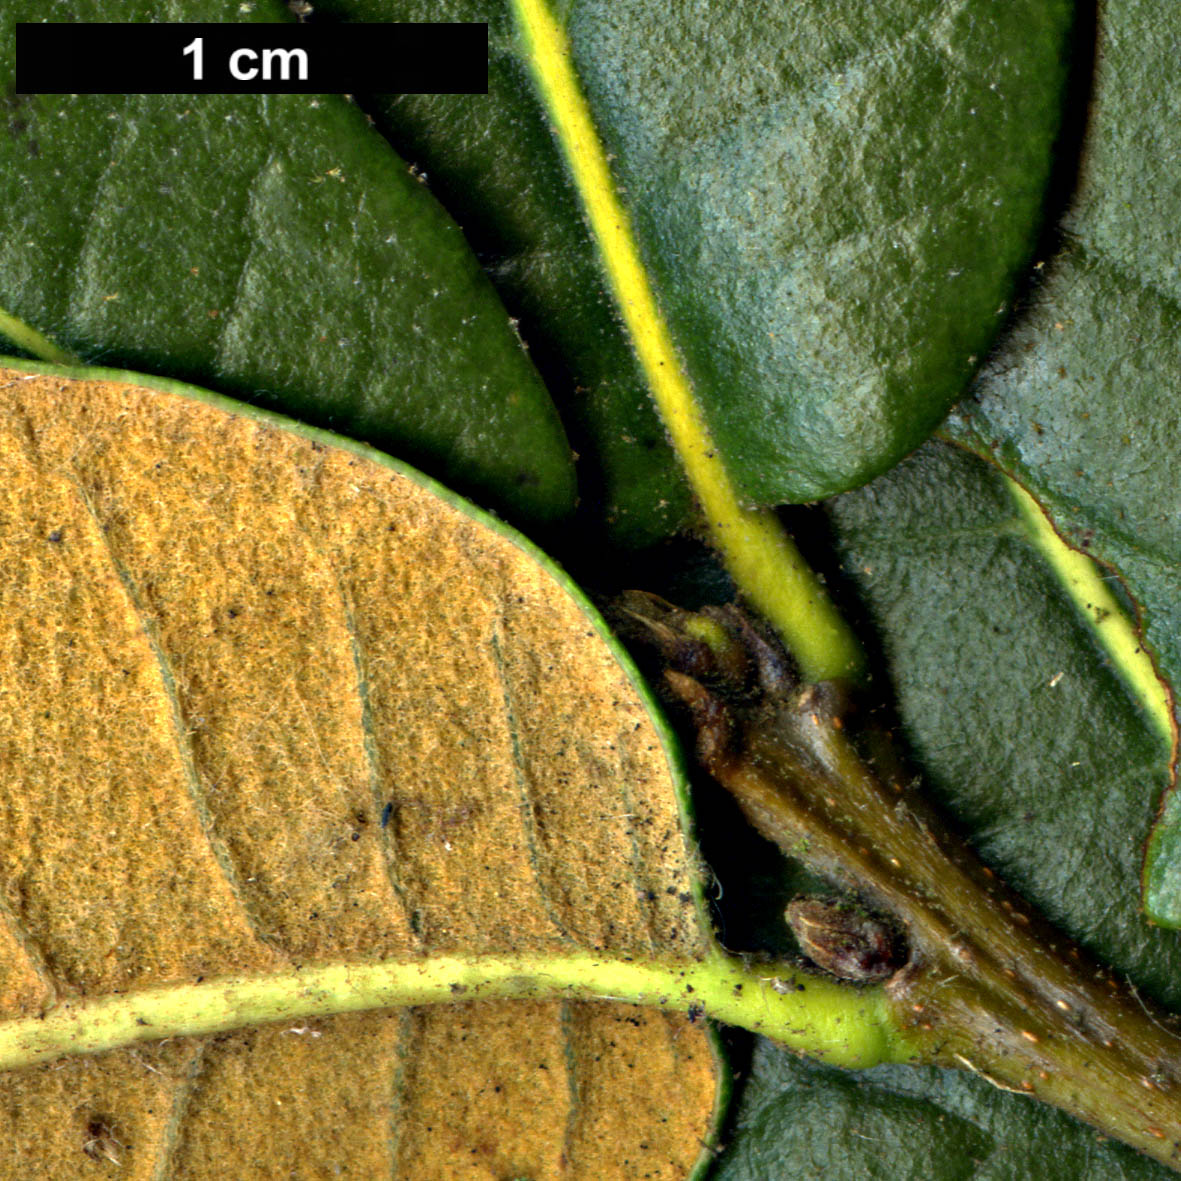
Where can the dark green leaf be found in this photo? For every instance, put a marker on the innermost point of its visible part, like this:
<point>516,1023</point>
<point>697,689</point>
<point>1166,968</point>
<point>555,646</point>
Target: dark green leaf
<point>1080,403</point>
<point>806,1121</point>
<point>275,249</point>
<point>492,161</point>
<point>1008,702</point>
<point>834,200</point>
<point>1033,745</point>
<point>833,206</point>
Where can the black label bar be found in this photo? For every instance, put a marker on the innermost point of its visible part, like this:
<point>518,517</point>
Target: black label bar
<point>251,59</point>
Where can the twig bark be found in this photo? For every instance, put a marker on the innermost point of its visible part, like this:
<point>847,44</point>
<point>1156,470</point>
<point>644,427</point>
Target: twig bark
<point>986,985</point>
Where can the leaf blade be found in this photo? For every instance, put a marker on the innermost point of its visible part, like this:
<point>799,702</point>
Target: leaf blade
<point>264,738</point>
<point>492,162</point>
<point>758,205</point>
<point>1072,405</point>
<point>191,241</point>
<point>799,416</point>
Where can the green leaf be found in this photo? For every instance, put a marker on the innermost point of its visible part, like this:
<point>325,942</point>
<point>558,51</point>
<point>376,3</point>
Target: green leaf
<point>832,207</point>
<point>492,161</point>
<point>1010,705</point>
<point>892,1124</point>
<point>1027,736</point>
<point>1016,713</point>
<point>1079,402</point>
<point>275,249</point>
<point>974,626</point>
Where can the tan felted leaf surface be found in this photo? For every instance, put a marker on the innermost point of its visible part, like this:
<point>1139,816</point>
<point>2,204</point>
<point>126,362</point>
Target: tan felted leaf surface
<point>264,702</point>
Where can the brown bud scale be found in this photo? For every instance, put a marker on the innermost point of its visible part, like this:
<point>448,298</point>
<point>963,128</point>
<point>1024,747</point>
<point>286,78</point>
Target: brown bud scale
<point>844,940</point>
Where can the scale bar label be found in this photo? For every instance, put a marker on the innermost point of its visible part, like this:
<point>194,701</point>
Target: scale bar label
<point>427,58</point>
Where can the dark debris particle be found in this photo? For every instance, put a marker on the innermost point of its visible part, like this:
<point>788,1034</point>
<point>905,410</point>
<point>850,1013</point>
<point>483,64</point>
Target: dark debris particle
<point>101,1141</point>
<point>55,536</point>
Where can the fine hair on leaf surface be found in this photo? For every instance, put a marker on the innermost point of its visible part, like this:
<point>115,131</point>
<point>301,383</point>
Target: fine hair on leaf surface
<point>338,815</point>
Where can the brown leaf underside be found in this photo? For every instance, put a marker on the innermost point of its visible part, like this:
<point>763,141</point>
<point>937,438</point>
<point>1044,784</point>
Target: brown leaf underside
<point>228,653</point>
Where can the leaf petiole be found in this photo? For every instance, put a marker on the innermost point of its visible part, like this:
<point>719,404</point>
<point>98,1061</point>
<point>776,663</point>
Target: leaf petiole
<point>843,1026</point>
<point>757,550</point>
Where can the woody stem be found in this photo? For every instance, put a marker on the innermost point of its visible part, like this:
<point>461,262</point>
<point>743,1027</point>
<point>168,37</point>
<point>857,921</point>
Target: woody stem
<point>988,986</point>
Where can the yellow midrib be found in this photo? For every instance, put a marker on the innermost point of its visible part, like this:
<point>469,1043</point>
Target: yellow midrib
<point>1080,576</point>
<point>765,563</point>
